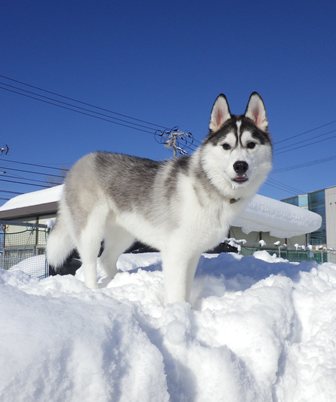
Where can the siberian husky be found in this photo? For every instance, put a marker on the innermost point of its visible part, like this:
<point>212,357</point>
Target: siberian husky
<point>181,207</point>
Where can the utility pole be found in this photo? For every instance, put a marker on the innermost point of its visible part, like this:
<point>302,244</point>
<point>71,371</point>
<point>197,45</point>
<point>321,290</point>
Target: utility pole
<point>175,139</point>
<point>4,149</point>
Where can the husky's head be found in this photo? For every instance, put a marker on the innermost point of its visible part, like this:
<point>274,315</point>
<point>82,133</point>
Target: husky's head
<point>237,153</point>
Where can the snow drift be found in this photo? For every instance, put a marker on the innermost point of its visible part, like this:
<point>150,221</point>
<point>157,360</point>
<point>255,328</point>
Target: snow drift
<point>259,329</point>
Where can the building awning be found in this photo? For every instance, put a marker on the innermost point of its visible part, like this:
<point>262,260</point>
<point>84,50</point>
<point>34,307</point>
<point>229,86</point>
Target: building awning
<point>262,214</point>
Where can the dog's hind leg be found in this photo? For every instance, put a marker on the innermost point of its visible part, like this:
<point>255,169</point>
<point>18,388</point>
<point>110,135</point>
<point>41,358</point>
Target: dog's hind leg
<point>116,241</point>
<point>89,244</point>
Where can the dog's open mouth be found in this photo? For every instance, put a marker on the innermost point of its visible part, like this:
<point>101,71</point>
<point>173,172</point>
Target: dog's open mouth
<point>240,179</point>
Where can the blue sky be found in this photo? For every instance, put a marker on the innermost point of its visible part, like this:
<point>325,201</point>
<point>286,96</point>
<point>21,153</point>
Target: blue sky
<point>165,62</point>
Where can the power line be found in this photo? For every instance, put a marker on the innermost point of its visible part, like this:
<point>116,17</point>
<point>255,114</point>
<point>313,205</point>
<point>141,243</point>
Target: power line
<point>126,123</point>
<point>30,180</point>
<point>282,186</point>
<point>27,184</point>
<point>82,102</point>
<point>75,106</point>
<point>184,137</point>
<point>289,148</point>
<point>33,172</point>
<point>289,138</point>
<point>10,192</point>
<point>77,109</point>
<point>279,188</point>
<point>294,189</point>
<point>300,142</point>
<point>130,122</point>
<point>34,164</point>
<point>305,164</point>
<point>74,110</point>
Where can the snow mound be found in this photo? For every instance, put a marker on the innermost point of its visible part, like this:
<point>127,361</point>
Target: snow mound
<point>34,266</point>
<point>259,329</point>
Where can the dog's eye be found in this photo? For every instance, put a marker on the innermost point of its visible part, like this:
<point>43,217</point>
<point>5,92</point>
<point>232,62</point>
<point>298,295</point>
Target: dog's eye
<point>226,146</point>
<point>251,145</point>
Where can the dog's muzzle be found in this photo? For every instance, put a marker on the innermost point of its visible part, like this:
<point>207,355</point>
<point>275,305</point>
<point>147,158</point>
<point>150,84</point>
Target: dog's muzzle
<point>240,167</point>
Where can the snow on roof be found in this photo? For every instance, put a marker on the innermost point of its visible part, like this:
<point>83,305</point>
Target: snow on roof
<point>52,194</point>
<point>262,214</point>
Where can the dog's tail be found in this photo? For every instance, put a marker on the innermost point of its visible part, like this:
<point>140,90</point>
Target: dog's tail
<point>60,243</point>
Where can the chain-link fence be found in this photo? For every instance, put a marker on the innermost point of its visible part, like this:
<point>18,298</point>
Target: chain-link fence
<point>292,255</point>
<point>23,248</point>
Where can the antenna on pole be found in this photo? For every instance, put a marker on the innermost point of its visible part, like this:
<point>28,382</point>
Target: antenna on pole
<point>175,139</point>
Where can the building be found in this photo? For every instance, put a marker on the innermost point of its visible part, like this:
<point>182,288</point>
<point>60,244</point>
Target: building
<point>24,221</point>
<point>323,203</point>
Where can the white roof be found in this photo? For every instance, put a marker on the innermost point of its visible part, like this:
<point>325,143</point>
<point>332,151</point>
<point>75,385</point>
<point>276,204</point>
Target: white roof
<point>262,214</point>
<point>52,194</point>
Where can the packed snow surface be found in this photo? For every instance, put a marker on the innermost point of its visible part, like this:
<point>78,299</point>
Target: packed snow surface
<point>258,329</point>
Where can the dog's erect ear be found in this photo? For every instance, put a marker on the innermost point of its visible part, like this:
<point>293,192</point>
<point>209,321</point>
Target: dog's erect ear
<point>255,111</point>
<point>219,114</point>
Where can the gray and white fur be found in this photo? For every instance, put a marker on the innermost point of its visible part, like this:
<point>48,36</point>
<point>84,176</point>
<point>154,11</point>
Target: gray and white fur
<point>182,207</point>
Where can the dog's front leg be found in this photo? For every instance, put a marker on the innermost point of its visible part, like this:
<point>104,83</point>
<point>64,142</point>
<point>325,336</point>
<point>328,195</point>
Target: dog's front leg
<point>178,274</point>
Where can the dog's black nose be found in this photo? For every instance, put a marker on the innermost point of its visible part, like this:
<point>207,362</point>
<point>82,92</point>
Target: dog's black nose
<point>240,167</point>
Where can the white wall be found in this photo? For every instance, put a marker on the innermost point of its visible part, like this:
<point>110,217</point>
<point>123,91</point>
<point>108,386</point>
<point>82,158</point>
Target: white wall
<point>330,204</point>
<point>17,235</point>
